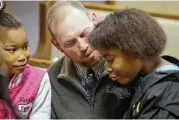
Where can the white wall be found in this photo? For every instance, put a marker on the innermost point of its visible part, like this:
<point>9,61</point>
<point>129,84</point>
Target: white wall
<point>159,6</point>
<point>28,13</point>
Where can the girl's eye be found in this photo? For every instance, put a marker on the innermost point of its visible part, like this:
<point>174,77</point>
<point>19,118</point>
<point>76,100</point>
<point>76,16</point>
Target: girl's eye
<point>11,50</point>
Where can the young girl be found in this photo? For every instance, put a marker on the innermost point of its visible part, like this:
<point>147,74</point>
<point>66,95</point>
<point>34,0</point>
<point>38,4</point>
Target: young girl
<point>29,87</point>
<point>131,41</point>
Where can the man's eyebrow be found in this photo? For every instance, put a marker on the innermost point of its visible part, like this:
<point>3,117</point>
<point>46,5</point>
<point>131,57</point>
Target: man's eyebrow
<point>84,30</point>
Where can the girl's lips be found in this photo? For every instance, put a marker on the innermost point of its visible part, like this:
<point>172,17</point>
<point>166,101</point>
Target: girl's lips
<point>23,65</point>
<point>114,77</point>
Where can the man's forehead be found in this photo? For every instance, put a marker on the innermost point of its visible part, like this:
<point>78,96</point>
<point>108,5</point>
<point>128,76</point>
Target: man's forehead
<point>69,14</point>
<point>72,33</point>
<point>76,18</point>
<point>71,27</point>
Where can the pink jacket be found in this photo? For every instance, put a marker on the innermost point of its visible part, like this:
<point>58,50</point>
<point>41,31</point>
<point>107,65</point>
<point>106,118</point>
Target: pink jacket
<point>24,94</point>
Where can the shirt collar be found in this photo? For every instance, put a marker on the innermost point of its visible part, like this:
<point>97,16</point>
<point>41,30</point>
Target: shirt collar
<point>82,70</point>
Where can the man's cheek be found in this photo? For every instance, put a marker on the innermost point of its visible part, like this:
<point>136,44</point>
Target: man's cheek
<point>98,54</point>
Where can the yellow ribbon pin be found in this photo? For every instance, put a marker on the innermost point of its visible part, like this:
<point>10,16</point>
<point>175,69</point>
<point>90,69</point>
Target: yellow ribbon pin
<point>137,108</point>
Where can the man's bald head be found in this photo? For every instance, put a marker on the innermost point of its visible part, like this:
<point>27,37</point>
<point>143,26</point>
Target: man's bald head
<point>59,11</point>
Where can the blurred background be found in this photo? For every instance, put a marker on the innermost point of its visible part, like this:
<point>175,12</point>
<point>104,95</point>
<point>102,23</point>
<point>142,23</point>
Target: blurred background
<point>32,14</point>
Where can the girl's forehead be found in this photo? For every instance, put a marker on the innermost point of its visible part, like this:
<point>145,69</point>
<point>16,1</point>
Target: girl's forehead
<point>3,34</point>
<point>15,35</point>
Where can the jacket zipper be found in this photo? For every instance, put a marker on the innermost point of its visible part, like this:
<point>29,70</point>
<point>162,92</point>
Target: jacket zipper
<point>93,96</point>
<point>91,102</point>
<point>66,79</point>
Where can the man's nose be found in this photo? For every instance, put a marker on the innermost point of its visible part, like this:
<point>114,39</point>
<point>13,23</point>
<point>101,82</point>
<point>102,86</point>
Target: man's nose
<point>83,45</point>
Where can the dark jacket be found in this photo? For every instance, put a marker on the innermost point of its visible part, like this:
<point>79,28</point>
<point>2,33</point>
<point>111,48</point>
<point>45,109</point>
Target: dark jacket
<point>69,98</point>
<point>156,96</point>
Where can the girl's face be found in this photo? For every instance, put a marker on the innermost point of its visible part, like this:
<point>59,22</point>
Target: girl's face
<point>14,51</point>
<point>121,67</point>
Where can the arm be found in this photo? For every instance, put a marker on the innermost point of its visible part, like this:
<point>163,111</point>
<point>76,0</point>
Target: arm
<point>151,112</point>
<point>42,105</point>
<point>163,103</point>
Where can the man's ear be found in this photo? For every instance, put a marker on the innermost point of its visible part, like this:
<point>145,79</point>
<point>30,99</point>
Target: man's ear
<point>94,18</point>
<point>55,43</point>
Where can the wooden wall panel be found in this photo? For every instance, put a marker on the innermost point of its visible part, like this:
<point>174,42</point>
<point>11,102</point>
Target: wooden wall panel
<point>44,49</point>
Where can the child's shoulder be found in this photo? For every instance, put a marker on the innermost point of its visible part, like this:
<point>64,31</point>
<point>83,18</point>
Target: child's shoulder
<point>161,80</point>
<point>28,66</point>
<point>163,89</point>
<point>29,69</point>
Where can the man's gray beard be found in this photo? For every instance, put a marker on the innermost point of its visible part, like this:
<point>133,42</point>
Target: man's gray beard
<point>87,65</point>
<point>94,63</point>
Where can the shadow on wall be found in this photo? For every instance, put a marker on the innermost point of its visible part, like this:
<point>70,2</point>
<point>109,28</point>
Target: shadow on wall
<point>159,6</point>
